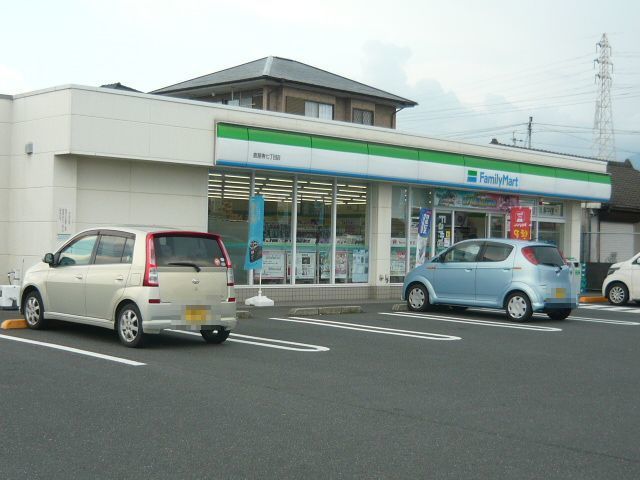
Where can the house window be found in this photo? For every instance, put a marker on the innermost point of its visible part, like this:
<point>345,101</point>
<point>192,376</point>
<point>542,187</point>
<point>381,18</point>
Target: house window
<point>318,110</point>
<point>363,117</point>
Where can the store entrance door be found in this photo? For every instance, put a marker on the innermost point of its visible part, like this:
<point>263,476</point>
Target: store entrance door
<point>470,225</point>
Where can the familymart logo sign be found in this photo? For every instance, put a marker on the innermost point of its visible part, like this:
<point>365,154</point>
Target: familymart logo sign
<point>494,179</point>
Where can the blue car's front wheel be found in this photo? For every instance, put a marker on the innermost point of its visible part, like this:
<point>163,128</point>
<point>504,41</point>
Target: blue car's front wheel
<point>417,298</point>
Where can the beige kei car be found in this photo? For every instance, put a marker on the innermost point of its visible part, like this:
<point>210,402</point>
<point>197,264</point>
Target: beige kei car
<point>136,280</point>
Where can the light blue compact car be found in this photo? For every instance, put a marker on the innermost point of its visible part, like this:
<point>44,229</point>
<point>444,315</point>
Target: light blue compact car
<point>521,277</point>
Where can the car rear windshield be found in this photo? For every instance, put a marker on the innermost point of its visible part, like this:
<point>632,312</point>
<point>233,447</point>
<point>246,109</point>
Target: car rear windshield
<point>198,250</point>
<point>548,255</point>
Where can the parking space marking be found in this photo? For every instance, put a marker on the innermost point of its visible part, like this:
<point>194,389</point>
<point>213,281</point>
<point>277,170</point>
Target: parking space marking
<point>369,328</point>
<point>602,320</point>
<point>75,350</point>
<point>484,323</point>
<point>610,308</point>
<point>234,337</point>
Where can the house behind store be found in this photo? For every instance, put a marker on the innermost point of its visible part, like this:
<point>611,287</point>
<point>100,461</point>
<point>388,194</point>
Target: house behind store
<point>342,188</point>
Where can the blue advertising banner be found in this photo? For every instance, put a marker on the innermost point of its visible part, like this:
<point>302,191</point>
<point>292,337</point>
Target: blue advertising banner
<point>422,240</point>
<point>424,223</point>
<point>253,259</point>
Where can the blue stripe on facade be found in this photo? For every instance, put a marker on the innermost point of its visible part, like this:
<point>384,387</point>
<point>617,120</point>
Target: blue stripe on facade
<point>402,180</point>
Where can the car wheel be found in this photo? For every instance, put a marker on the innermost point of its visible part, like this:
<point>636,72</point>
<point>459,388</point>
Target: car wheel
<point>618,294</point>
<point>417,298</point>
<point>518,307</point>
<point>34,311</point>
<point>559,314</point>
<point>129,326</point>
<point>217,335</point>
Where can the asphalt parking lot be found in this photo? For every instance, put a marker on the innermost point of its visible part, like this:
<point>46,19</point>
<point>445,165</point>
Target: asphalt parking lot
<point>380,394</point>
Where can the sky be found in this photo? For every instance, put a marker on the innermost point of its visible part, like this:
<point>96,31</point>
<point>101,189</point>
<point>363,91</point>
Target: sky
<point>478,69</point>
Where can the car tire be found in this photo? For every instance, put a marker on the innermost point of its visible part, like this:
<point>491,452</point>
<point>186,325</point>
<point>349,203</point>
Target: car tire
<point>417,298</point>
<point>34,311</point>
<point>618,294</point>
<point>559,313</point>
<point>129,326</point>
<point>215,336</point>
<point>518,307</point>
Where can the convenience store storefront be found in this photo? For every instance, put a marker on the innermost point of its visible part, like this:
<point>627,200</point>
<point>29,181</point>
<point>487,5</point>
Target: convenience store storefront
<point>342,212</point>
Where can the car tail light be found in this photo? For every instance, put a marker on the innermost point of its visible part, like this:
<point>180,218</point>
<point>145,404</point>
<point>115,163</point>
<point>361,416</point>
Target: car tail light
<point>530,255</point>
<point>230,281</point>
<point>151,267</point>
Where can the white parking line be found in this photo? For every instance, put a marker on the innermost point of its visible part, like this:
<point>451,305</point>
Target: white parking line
<point>602,320</point>
<point>610,308</point>
<point>369,328</point>
<point>484,323</point>
<point>75,350</point>
<point>234,337</point>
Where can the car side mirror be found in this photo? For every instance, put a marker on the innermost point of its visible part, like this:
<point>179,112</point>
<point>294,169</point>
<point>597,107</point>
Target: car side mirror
<point>48,258</point>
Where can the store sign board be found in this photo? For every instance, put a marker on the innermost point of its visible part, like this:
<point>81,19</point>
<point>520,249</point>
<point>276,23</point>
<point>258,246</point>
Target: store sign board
<point>520,228</point>
<point>250,147</point>
<point>493,179</point>
<point>486,201</point>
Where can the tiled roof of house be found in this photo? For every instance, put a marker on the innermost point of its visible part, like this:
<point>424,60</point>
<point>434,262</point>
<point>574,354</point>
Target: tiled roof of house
<point>283,69</point>
<point>625,186</point>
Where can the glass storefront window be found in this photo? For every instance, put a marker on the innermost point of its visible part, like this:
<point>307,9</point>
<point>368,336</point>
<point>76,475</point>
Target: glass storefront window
<point>352,253</point>
<point>549,232</point>
<point>470,225</point>
<point>497,226</point>
<point>229,193</point>
<point>443,231</point>
<point>278,193</point>
<point>313,232</point>
<point>229,216</point>
<point>399,200</point>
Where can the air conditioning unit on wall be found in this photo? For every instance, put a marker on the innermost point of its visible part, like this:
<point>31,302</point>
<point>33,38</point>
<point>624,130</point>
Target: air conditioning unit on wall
<point>9,295</point>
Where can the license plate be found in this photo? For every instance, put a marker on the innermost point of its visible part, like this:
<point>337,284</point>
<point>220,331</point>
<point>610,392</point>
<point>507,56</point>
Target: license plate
<point>561,292</point>
<point>196,314</point>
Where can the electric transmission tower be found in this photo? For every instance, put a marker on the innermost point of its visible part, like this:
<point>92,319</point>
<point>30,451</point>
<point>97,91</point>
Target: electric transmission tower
<point>603,141</point>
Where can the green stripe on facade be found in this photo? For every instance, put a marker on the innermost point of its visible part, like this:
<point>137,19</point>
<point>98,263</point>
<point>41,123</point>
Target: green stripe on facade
<point>393,152</point>
<point>403,153</point>
<point>441,157</point>
<point>339,145</point>
<point>281,138</point>
<point>476,162</point>
<point>540,170</point>
<point>600,178</point>
<point>572,175</point>
<point>232,131</point>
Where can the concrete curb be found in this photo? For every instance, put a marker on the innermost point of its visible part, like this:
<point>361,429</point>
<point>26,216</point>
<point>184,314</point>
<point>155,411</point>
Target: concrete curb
<point>400,307</point>
<point>333,310</point>
<point>590,299</point>
<point>13,324</point>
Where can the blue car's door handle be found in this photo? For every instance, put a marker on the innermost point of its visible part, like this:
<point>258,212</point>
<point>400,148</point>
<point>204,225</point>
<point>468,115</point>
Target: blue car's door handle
<point>468,269</point>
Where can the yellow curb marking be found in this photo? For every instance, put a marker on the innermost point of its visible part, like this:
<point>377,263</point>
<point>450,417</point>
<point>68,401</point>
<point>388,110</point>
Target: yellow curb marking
<point>13,323</point>
<point>592,299</point>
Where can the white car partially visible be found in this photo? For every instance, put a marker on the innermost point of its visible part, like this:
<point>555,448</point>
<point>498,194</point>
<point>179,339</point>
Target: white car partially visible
<point>622,283</point>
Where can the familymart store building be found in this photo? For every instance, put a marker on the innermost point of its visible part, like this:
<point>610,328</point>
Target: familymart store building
<point>343,213</point>
<point>342,201</point>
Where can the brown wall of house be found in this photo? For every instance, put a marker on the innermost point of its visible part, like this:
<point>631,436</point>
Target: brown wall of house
<point>274,98</point>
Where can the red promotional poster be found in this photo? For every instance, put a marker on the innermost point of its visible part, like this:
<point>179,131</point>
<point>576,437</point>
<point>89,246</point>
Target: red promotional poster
<point>520,223</point>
